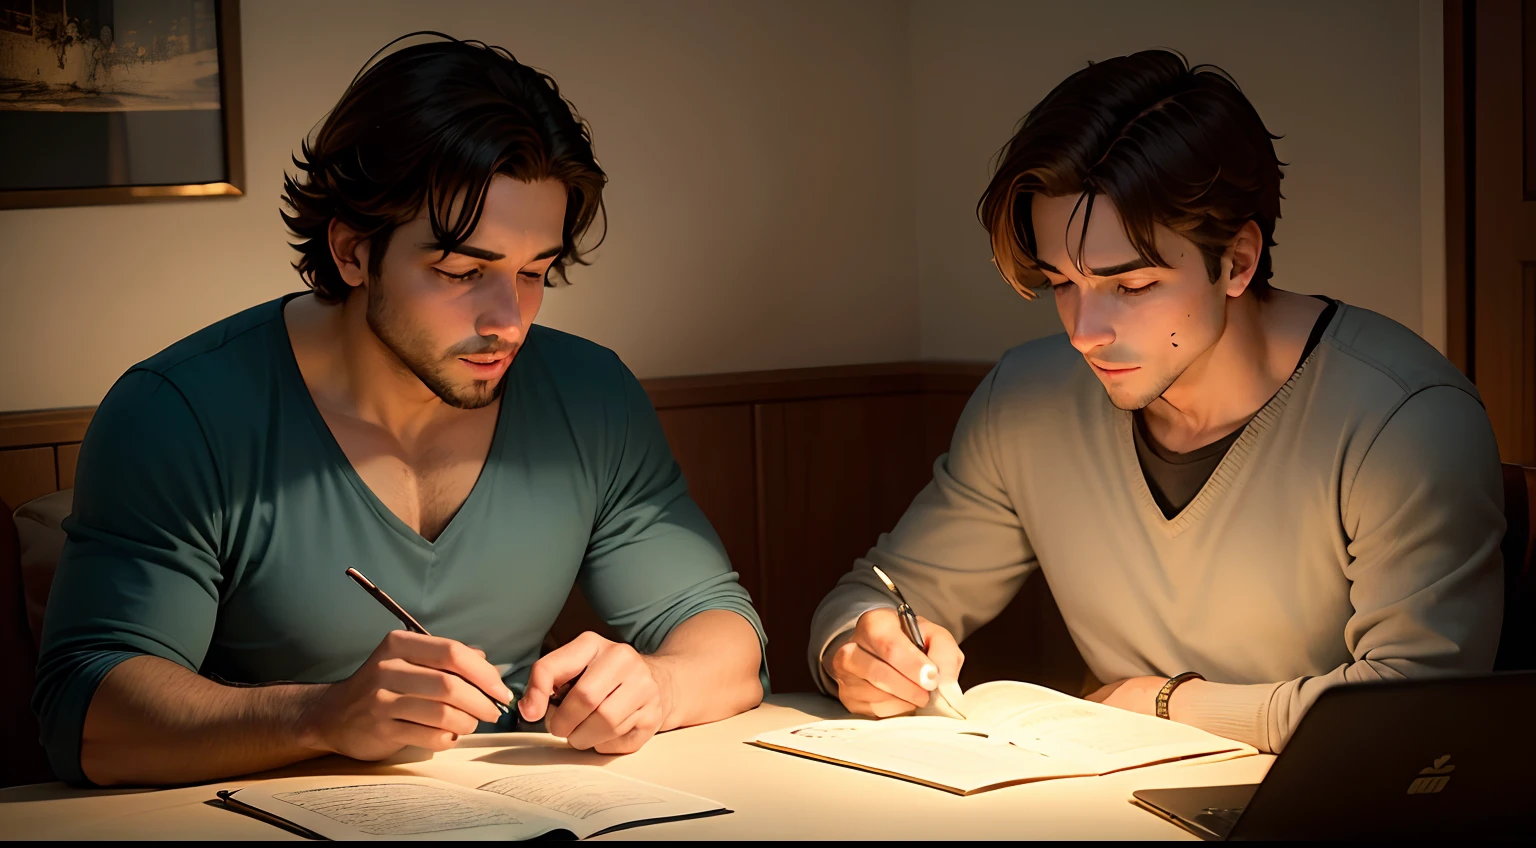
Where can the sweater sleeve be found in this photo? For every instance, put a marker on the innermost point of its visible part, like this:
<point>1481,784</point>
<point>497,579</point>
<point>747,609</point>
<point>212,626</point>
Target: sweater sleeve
<point>1424,516</point>
<point>959,553</point>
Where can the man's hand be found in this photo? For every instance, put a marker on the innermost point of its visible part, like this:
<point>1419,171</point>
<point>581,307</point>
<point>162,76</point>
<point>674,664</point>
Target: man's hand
<point>619,703</point>
<point>412,690</point>
<point>879,672</point>
<point>1136,694</point>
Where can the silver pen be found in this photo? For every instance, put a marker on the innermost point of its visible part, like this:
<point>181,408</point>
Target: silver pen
<point>910,626</point>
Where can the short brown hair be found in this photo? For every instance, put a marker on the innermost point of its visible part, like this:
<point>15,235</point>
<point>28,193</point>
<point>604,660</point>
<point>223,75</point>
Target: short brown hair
<point>426,126</point>
<point>1168,143</point>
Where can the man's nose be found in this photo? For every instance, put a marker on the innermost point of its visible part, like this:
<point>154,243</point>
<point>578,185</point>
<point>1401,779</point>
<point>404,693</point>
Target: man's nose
<point>501,314</point>
<point>1092,326</point>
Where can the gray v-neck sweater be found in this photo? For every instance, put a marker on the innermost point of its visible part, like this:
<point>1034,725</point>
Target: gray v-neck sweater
<point>1350,534</point>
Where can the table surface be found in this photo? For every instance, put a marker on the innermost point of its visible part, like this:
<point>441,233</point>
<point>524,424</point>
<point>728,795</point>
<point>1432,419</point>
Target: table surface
<point>774,795</point>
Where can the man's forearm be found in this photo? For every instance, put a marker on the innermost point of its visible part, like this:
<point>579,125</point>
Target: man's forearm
<point>154,722</point>
<point>711,661</point>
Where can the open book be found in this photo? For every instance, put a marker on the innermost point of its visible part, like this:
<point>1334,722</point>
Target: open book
<point>1013,733</point>
<point>533,801</point>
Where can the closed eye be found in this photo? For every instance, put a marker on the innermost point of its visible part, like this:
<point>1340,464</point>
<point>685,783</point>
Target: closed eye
<point>466,276</point>
<point>1137,290</point>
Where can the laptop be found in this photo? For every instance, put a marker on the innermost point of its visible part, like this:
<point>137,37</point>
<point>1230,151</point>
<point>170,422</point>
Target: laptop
<point>1413,759</point>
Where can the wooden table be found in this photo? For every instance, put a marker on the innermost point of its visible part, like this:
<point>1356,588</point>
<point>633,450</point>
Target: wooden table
<point>774,795</point>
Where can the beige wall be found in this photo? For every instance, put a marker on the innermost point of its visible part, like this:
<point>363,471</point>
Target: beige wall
<point>1341,82</point>
<point>793,183</point>
<point>760,204</point>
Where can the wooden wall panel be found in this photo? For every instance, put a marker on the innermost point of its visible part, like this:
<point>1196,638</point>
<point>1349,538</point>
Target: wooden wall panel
<point>843,471</point>
<point>44,427</point>
<point>713,446</point>
<point>1527,386</point>
<point>68,458</point>
<point>1504,217</point>
<point>1528,101</point>
<point>26,473</point>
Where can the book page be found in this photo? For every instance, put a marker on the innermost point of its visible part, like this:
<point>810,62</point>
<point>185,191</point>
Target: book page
<point>1013,732</point>
<point>1105,738</point>
<point>990,702</point>
<point>958,756</point>
<point>523,804</point>
<point>593,800</point>
<point>392,808</point>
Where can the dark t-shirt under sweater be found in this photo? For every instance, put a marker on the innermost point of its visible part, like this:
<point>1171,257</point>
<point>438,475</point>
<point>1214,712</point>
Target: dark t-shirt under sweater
<point>1175,478</point>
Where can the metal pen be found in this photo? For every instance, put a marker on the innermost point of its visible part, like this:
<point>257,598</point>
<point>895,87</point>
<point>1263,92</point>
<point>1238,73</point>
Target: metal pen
<point>914,632</point>
<point>410,622</point>
<point>904,612</point>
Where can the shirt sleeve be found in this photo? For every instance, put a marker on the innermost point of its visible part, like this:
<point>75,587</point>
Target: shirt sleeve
<point>1424,515</point>
<point>139,574</point>
<point>654,560</point>
<point>959,554</point>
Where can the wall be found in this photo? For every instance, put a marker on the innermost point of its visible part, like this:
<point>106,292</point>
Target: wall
<point>793,183</point>
<point>760,206</point>
<point>1432,266</point>
<point>1341,82</point>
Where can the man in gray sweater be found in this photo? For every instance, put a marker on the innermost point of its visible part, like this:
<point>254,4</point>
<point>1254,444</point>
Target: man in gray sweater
<point>1273,491</point>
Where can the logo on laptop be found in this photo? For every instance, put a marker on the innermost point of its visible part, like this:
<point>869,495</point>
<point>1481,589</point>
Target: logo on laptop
<point>1432,779</point>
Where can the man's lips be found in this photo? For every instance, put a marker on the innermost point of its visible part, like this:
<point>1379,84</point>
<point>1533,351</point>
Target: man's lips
<point>1114,368</point>
<point>487,365</point>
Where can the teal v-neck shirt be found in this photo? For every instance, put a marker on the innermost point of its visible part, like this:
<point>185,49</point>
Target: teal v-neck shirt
<point>215,516</point>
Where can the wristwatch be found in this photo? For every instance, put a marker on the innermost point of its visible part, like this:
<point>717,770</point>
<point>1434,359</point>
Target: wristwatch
<point>1167,691</point>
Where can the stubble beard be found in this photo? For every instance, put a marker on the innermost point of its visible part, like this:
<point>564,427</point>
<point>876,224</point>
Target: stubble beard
<point>413,349</point>
<point>1141,400</point>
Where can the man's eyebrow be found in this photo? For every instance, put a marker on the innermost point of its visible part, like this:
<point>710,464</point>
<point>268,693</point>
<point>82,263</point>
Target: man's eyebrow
<point>491,255</point>
<point>1122,268</point>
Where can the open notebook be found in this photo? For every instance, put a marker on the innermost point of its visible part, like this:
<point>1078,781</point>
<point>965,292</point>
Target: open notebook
<point>1013,733</point>
<point>533,801</point>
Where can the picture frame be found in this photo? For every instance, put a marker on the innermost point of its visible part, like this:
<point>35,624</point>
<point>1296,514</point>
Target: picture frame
<point>119,101</point>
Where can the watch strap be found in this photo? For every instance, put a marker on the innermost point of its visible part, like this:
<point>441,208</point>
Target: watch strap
<point>1166,693</point>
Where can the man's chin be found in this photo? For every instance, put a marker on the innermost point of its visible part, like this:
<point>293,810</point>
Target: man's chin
<point>1129,400</point>
<point>468,394</point>
<point>476,397</point>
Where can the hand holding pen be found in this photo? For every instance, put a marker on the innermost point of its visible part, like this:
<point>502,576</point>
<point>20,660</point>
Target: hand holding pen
<point>411,624</point>
<point>894,661</point>
<point>414,689</point>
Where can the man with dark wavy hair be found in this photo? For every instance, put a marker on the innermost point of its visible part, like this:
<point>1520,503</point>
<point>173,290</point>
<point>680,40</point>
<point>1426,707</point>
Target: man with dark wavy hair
<point>407,417</point>
<point>1240,495</point>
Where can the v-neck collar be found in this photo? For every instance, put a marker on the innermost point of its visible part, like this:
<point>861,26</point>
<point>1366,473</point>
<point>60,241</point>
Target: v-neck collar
<point>299,391</point>
<point>1230,465</point>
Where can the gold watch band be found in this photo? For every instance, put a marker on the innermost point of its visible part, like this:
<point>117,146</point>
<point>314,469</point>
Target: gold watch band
<point>1164,694</point>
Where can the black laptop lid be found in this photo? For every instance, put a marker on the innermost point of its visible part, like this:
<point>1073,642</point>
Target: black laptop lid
<point>1427,758</point>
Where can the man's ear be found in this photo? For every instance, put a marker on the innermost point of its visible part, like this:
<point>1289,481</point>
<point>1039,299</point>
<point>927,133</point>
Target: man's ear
<point>349,251</point>
<point>1241,259</point>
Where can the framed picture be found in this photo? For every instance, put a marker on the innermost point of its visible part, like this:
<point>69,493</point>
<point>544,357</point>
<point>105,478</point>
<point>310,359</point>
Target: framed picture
<point>119,101</point>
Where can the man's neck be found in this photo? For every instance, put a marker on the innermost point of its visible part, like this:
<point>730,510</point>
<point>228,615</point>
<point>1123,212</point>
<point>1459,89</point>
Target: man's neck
<point>350,372</point>
<point>1256,354</point>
